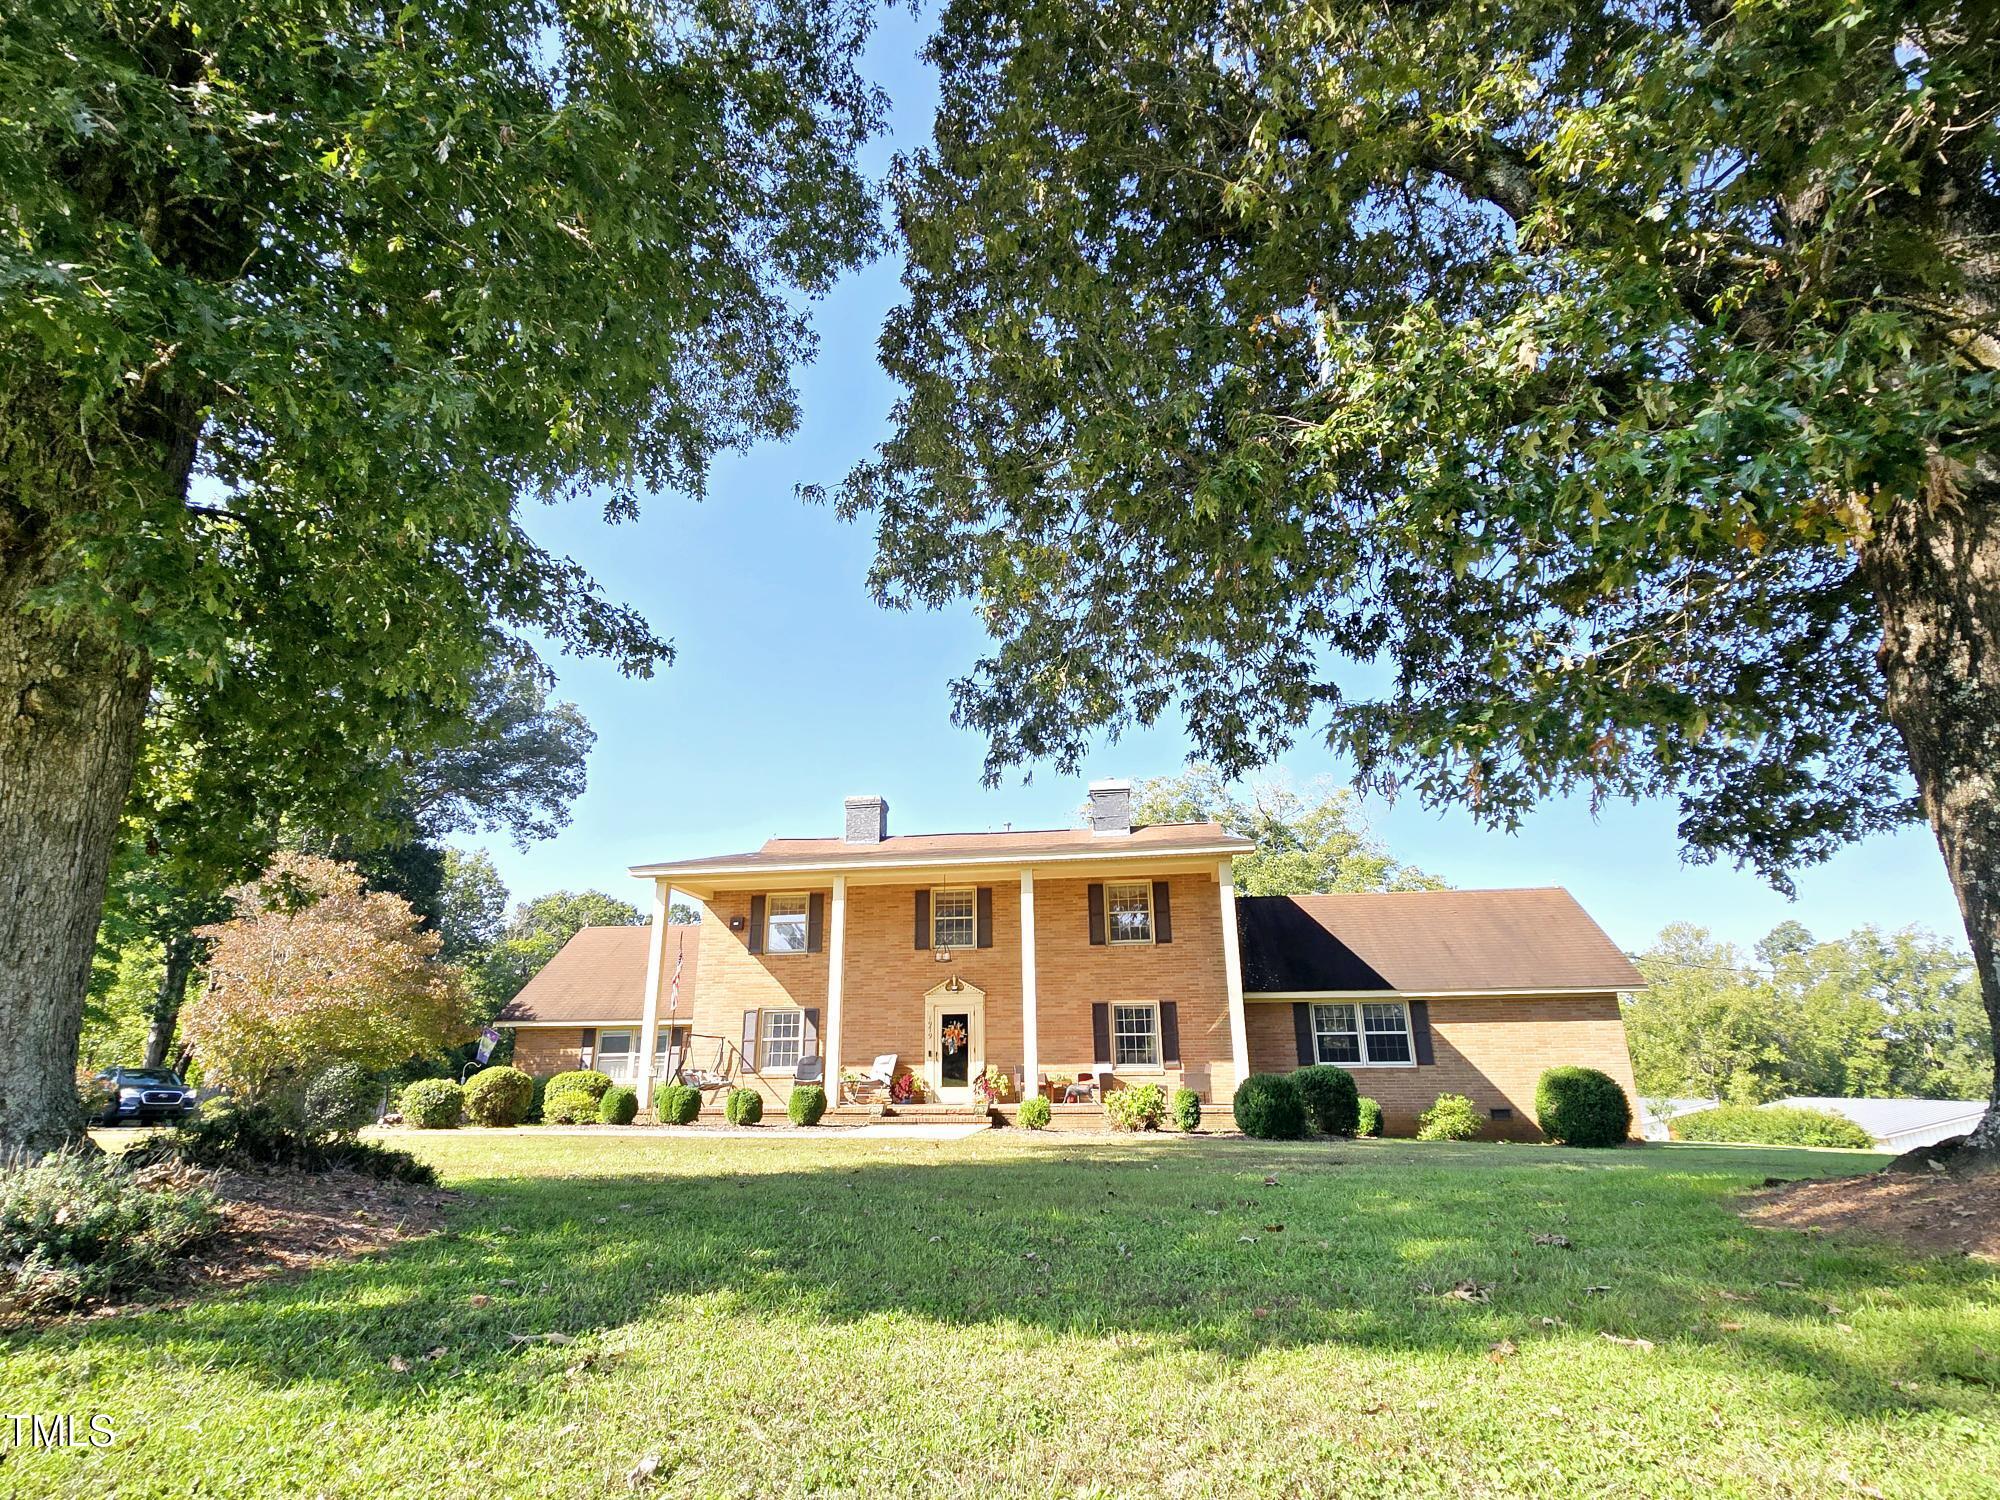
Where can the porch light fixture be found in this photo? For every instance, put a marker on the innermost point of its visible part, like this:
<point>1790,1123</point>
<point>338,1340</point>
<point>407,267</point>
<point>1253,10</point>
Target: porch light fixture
<point>954,984</point>
<point>941,953</point>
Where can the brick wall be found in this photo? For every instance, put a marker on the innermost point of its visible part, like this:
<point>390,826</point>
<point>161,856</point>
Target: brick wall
<point>1492,1050</point>
<point>543,1050</point>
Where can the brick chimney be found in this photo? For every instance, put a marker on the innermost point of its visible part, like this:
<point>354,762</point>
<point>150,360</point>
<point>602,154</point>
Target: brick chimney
<point>867,820</point>
<point>1111,807</point>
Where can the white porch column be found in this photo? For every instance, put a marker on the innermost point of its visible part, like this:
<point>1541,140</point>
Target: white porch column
<point>1030,1027</point>
<point>1232,968</point>
<point>649,1022</point>
<point>836,959</point>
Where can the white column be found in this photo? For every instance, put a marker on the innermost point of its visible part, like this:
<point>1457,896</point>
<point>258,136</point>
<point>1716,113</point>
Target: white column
<point>649,1023</point>
<point>1030,1027</point>
<point>1232,968</point>
<point>836,959</point>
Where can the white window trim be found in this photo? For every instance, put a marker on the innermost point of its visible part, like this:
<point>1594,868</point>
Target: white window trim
<point>1158,1065</point>
<point>770,900</point>
<point>955,890</point>
<point>764,1038</point>
<point>1361,1034</point>
<point>1111,937</point>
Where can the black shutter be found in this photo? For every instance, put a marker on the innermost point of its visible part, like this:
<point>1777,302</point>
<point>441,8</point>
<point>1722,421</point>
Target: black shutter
<point>1170,1034</point>
<point>756,924</point>
<point>1163,914</point>
<point>815,921</point>
<point>1100,1028</point>
<point>1420,1031</point>
<point>809,1043</point>
<point>1302,1028</point>
<point>984,906</point>
<point>923,919</point>
<point>750,1041</point>
<point>1096,915</point>
<point>586,1047</point>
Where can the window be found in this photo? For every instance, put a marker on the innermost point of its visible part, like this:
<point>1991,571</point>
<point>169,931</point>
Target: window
<point>1347,1034</point>
<point>1135,1036</point>
<point>785,924</point>
<point>954,919</point>
<point>783,1031</point>
<point>1130,912</point>
<point>670,1043</point>
<point>614,1054</point>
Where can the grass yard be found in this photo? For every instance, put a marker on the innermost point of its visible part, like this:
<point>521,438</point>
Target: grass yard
<point>1011,1316</point>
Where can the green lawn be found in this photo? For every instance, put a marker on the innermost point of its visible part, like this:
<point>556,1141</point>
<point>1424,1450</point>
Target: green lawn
<point>1013,1315</point>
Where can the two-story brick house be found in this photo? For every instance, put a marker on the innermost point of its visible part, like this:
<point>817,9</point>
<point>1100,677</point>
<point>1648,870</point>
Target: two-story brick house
<point>1112,949</point>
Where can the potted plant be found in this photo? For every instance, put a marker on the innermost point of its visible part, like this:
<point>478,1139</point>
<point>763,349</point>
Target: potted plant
<point>993,1086</point>
<point>1057,1083</point>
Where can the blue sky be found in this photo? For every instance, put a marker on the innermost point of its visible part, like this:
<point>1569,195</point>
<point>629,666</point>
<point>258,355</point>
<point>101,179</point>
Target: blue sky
<point>792,690</point>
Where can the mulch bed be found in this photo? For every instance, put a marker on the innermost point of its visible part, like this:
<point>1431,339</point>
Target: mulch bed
<point>1939,1213</point>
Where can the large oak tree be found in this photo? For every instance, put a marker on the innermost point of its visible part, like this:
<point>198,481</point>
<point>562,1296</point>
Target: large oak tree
<point>1526,395</point>
<point>298,301</point>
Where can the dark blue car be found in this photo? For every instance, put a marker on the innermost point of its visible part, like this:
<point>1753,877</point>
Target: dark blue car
<point>142,1095</point>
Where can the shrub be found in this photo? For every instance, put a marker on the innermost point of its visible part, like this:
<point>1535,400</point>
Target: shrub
<point>1141,1108</point>
<point>228,1134</point>
<point>1186,1110</point>
<point>1582,1107</point>
<point>619,1106</point>
<point>677,1104</point>
<point>569,1107</point>
<point>339,1101</point>
<point>78,1225</point>
<point>1779,1125</point>
<point>807,1104</point>
<point>1035,1113</point>
<point>433,1104</point>
<point>1268,1106</point>
<point>580,1080</point>
<point>745,1107</point>
<point>498,1096</point>
<point>1368,1117</point>
<point>1333,1104</point>
<point>1451,1118</point>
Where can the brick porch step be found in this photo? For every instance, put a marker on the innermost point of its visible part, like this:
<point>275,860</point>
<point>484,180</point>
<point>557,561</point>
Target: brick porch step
<point>933,1114</point>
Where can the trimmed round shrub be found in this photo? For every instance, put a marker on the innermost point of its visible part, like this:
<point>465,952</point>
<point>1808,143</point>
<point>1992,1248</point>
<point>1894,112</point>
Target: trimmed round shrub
<point>1779,1125</point>
<point>579,1080</point>
<point>569,1107</point>
<point>433,1104</point>
<point>498,1096</point>
<point>619,1106</point>
<point>339,1101</point>
<point>1333,1104</point>
<point>1582,1107</point>
<point>1035,1113</point>
<point>1368,1117</point>
<point>807,1104</point>
<point>745,1107</point>
<point>1268,1106</point>
<point>1451,1118</point>
<point>1185,1107</point>
<point>1141,1108</point>
<point>677,1104</point>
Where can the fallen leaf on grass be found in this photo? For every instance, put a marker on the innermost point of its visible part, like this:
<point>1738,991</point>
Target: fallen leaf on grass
<point>1730,1327</point>
<point>1503,1350</point>
<point>1592,1291</point>
<point>1246,1239</point>
<point>540,1338</point>
<point>1628,1343</point>
<point>399,1364</point>
<point>435,1354</point>
<point>642,1472</point>
<point>1470,1291</point>
<point>1274,1229</point>
<point>1791,1286</point>
<point>1270,1182</point>
<point>1554,1323</point>
<point>1260,1312</point>
<point>1728,1296</point>
<point>480,1299</point>
<point>1553,1241</point>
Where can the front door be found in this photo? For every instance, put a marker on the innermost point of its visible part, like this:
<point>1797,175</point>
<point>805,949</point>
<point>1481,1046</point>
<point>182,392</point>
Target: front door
<point>954,1043</point>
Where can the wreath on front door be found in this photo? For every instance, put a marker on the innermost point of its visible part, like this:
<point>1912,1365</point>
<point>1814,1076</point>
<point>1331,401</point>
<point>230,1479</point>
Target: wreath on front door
<point>954,1037</point>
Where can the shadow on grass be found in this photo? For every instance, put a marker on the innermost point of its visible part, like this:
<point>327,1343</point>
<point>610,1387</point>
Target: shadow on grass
<point>1191,1247</point>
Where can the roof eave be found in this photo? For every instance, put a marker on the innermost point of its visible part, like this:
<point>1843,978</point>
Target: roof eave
<point>1153,852</point>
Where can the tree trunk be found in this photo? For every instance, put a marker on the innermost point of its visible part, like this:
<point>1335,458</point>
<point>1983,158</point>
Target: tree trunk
<point>167,1002</point>
<point>71,702</point>
<point>1935,569</point>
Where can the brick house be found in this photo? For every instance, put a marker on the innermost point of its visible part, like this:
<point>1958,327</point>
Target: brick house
<point>1117,951</point>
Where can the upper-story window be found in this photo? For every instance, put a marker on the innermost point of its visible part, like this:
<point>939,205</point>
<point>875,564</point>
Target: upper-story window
<point>954,918</point>
<point>1130,907</point>
<point>785,924</point>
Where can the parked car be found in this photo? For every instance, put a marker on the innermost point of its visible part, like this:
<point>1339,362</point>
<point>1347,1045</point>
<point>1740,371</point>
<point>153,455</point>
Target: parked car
<point>142,1095</point>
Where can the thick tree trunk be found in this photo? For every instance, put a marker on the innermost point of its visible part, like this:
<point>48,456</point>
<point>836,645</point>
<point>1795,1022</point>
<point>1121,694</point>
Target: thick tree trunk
<point>71,702</point>
<point>1935,568</point>
<point>167,1002</point>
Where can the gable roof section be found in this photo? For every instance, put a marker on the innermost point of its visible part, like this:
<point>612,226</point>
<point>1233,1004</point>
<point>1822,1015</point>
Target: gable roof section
<point>968,848</point>
<point>600,975</point>
<point>1427,943</point>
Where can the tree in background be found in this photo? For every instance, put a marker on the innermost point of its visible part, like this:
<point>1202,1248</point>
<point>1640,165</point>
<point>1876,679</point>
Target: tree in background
<point>536,933</point>
<point>681,914</point>
<point>1522,397</point>
<point>302,302</point>
<point>474,906</point>
<point>1895,1014</point>
<point>1307,840</point>
<point>313,970</point>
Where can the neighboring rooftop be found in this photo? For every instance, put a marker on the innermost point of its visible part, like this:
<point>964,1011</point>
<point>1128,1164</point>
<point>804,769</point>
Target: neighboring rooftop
<point>1427,943</point>
<point>600,975</point>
